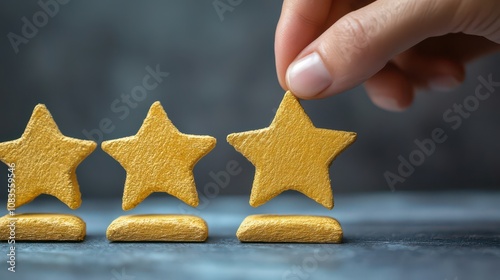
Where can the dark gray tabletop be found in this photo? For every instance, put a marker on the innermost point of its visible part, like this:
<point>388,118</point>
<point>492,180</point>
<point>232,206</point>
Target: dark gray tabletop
<point>397,235</point>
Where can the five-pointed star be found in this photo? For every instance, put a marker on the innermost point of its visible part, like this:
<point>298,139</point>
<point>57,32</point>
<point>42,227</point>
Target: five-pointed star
<point>159,158</point>
<point>45,160</point>
<point>291,154</point>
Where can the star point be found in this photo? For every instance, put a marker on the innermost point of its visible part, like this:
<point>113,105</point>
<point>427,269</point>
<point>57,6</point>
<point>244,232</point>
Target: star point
<point>46,160</point>
<point>291,154</point>
<point>159,158</point>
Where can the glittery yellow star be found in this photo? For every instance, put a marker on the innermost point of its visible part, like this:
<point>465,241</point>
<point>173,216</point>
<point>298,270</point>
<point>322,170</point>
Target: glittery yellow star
<point>45,160</point>
<point>159,158</point>
<point>291,154</point>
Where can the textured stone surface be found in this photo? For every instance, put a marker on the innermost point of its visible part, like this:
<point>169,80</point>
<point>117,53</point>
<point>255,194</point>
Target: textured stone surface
<point>174,228</point>
<point>387,236</point>
<point>45,160</point>
<point>43,227</point>
<point>291,154</point>
<point>289,228</point>
<point>159,158</point>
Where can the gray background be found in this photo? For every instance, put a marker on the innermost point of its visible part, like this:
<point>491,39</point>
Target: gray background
<point>222,80</point>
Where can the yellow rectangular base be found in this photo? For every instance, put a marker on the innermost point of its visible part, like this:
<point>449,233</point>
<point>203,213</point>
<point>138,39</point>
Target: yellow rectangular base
<point>165,228</point>
<point>42,227</point>
<point>290,228</point>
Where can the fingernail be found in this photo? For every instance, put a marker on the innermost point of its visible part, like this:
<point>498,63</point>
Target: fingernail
<point>443,83</point>
<point>387,103</point>
<point>308,76</point>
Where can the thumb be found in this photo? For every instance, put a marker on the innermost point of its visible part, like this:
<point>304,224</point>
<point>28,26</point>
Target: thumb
<point>360,44</point>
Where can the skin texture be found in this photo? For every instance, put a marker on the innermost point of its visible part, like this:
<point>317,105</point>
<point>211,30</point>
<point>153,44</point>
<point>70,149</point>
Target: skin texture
<point>402,45</point>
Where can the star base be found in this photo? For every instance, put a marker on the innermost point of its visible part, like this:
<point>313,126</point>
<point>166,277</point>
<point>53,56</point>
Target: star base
<point>158,228</point>
<point>42,227</point>
<point>290,229</point>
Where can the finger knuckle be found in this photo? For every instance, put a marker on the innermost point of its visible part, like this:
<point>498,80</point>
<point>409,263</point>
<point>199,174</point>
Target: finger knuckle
<point>356,31</point>
<point>353,38</point>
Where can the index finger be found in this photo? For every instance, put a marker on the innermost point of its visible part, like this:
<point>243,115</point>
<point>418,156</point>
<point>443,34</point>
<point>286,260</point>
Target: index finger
<point>300,23</point>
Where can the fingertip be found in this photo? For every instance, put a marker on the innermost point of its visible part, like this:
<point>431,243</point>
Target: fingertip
<point>390,89</point>
<point>300,23</point>
<point>308,76</point>
<point>443,83</point>
<point>447,76</point>
<point>431,71</point>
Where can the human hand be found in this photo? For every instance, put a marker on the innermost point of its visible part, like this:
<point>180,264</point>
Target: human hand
<point>324,47</point>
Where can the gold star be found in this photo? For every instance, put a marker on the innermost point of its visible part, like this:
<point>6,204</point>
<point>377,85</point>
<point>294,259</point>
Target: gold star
<point>291,154</point>
<point>46,160</point>
<point>159,158</point>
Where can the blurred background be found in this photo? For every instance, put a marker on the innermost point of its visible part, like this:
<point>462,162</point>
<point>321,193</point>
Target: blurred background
<point>85,57</point>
